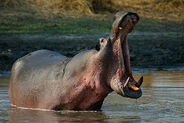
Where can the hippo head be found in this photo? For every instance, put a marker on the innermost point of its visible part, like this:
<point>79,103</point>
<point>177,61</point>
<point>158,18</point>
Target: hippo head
<point>120,76</point>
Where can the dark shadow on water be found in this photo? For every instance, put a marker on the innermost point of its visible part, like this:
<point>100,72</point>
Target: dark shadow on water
<point>18,115</point>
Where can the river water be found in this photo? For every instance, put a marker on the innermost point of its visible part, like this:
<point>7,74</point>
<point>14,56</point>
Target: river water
<point>162,101</point>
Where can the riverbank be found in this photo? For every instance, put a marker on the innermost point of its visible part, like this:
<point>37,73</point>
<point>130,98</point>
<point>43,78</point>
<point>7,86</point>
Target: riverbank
<point>147,50</point>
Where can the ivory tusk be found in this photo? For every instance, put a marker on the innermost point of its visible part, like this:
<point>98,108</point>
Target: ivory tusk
<point>126,82</point>
<point>139,83</point>
<point>133,87</point>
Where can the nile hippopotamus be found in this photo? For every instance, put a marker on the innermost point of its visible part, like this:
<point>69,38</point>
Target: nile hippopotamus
<point>48,80</point>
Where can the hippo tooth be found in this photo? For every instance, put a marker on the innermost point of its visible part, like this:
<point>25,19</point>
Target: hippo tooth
<point>126,82</point>
<point>133,87</point>
<point>139,83</point>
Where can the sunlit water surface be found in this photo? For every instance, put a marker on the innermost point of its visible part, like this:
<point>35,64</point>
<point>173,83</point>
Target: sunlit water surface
<point>162,101</point>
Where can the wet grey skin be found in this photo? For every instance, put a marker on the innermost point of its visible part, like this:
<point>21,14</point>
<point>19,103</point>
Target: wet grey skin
<point>48,80</point>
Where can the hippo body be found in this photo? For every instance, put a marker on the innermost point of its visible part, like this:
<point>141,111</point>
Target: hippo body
<point>48,80</point>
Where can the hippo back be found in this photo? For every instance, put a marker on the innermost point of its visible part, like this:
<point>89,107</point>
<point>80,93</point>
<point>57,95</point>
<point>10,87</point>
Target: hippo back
<point>34,76</point>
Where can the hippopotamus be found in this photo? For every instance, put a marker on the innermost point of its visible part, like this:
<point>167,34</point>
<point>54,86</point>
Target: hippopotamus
<point>45,79</point>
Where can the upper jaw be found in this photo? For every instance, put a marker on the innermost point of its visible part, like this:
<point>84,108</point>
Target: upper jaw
<point>121,20</point>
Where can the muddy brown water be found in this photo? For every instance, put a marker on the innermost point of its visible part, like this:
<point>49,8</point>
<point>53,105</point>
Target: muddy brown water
<point>162,101</point>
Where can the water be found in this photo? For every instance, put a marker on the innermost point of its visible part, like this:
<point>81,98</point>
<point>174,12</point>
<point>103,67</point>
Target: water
<point>162,101</point>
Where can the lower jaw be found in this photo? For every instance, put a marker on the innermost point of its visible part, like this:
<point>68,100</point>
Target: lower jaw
<point>128,91</point>
<point>131,94</point>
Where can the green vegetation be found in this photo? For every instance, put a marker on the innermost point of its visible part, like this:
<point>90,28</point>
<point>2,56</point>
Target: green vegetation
<point>68,25</point>
<point>63,25</point>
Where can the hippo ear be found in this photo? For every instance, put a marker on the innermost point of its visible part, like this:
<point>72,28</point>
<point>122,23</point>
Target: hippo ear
<point>97,47</point>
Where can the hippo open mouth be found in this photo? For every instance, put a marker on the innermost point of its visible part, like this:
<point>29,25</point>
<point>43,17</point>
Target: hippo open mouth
<point>124,83</point>
<point>131,89</point>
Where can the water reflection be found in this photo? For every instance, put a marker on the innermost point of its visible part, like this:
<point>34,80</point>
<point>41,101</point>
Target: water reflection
<point>18,115</point>
<point>162,101</point>
<point>22,115</point>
